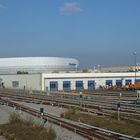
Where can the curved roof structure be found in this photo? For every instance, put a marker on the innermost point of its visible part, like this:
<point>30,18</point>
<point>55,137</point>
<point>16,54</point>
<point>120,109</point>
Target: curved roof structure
<point>37,64</point>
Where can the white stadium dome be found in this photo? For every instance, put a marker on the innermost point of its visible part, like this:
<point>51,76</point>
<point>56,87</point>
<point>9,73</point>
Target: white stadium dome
<point>37,64</point>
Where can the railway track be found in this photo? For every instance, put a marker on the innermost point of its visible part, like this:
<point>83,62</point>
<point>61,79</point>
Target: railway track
<point>90,132</point>
<point>83,131</point>
<point>91,109</point>
<point>61,99</point>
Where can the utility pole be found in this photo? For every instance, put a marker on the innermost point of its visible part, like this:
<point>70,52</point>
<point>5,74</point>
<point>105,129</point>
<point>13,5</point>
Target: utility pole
<point>119,106</point>
<point>135,55</point>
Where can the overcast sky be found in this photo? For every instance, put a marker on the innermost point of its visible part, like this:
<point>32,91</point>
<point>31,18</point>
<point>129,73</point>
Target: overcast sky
<point>96,32</point>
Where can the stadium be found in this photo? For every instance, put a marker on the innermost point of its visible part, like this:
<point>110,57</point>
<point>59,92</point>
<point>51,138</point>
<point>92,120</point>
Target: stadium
<point>37,64</point>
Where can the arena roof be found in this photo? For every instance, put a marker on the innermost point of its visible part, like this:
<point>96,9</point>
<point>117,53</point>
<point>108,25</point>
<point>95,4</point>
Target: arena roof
<point>37,64</point>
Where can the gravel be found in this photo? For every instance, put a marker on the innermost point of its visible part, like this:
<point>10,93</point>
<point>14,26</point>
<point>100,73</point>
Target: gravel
<point>4,113</point>
<point>47,108</point>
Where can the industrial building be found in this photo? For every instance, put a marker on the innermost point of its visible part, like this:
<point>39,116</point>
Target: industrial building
<point>57,74</point>
<point>120,69</point>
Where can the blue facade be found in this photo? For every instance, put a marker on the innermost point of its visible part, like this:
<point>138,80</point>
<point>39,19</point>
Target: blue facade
<point>53,86</point>
<point>137,80</point>
<point>91,85</point>
<point>66,85</point>
<point>79,85</point>
<point>119,83</point>
<point>128,82</point>
<point>109,82</point>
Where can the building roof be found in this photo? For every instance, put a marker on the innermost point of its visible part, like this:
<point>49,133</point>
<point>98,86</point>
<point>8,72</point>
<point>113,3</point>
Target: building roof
<point>37,64</point>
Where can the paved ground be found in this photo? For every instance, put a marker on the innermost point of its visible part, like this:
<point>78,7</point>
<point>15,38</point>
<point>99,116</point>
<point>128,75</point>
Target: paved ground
<point>62,133</point>
<point>47,108</point>
<point>4,113</point>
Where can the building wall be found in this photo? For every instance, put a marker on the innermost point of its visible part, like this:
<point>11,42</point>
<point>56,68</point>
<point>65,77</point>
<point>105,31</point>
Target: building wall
<point>99,78</point>
<point>42,81</point>
<point>27,81</point>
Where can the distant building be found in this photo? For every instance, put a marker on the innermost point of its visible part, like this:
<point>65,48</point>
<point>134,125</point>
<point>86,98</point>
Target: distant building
<point>120,69</point>
<point>60,74</point>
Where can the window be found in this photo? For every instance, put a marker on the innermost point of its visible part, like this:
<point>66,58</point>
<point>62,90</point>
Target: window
<point>119,83</point>
<point>127,82</point>
<point>66,85</point>
<point>109,82</point>
<point>79,85</point>
<point>91,84</point>
<point>15,84</point>
<point>53,85</point>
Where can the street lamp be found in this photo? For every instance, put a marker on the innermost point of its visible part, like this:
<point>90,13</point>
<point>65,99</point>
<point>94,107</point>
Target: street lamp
<point>135,64</point>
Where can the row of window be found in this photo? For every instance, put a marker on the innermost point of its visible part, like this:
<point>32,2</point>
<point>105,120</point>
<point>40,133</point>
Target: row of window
<point>67,85</point>
<point>119,82</point>
<point>90,84</point>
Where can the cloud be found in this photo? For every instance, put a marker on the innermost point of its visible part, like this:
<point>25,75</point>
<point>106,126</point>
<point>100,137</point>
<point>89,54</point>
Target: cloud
<point>70,8</point>
<point>2,6</point>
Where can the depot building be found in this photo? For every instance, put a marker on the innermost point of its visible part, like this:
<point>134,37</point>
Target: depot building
<point>57,74</point>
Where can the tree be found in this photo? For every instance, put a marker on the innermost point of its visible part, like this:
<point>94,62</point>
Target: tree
<point>85,70</point>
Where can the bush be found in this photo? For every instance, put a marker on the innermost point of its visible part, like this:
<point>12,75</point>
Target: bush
<point>71,111</point>
<point>17,127</point>
<point>51,133</point>
<point>14,118</point>
<point>29,121</point>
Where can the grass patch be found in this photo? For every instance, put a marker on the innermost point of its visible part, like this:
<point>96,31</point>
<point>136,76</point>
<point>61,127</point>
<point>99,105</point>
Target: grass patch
<point>71,111</point>
<point>14,118</point>
<point>18,129</point>
<point>111,123</point>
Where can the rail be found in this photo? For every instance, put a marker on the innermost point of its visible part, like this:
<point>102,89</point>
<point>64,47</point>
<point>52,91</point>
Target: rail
<point>58,121</point>
<point>83,103</point>
<point>109,132</point>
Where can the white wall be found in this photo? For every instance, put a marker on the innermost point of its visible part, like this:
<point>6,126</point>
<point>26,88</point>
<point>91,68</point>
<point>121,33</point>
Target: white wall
<point>30,81</point>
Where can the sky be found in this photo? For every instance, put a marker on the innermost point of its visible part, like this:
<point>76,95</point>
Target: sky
<point>96,32</point>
